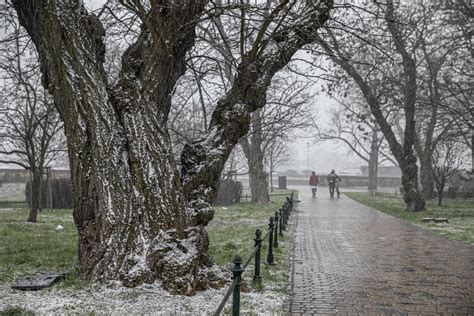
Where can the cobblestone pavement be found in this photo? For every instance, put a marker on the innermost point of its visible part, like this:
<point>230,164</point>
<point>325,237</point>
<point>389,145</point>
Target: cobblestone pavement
<point>350,259</point>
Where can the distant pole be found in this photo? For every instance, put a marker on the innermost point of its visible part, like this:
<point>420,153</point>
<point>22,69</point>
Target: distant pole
<point>50,193</point>
<point>307,157</point>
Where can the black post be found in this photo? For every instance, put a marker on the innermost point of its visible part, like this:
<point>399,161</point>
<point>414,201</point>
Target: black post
<point>270,242</point>
<point>236,295</point>
<point>285,210</point>
<point>275,235</point>
<point>257,279</point>
<point>281,222</point>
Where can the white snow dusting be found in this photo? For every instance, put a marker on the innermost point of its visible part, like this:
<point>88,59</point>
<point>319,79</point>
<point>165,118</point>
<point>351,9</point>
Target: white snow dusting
<point>145,299</point>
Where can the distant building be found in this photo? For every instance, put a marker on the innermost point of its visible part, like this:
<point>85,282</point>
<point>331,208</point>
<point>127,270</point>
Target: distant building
<point>383,171</point>
<point>10,175</point>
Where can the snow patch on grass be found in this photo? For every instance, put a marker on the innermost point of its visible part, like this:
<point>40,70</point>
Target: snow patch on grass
<point>145,299</point>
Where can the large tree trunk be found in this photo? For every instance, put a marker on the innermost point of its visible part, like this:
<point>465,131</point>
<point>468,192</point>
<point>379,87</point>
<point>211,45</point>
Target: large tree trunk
<point>129,205</point>
<point>136,220</point>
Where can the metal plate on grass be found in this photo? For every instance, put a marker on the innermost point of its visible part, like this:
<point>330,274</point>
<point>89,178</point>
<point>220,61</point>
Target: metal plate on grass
<point>39,281</point>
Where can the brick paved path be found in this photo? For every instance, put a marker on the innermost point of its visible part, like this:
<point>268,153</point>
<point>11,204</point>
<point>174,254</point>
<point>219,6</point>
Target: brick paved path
<point>350,259</point>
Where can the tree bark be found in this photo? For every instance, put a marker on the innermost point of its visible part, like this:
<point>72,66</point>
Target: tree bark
<point>136,220</point>
<point>129,205</point>
<point>426,175</point>
<point>252,147</point>
<point>35,203</point>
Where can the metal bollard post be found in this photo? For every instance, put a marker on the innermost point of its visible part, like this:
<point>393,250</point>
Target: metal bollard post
<point>270,242</point>
<point>236,295</point>
<point>257,279</point>
<point>275,235</point>
<point>290,203</point>
<point>281,222</point>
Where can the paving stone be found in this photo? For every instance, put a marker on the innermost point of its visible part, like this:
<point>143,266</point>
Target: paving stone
<point>351,259</point>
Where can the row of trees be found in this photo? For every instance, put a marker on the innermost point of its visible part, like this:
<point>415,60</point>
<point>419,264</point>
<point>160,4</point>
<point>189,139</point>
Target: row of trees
<point>400,74</point>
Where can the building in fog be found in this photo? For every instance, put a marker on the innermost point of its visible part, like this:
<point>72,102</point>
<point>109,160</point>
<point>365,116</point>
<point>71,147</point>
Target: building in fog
<point>383,171</point>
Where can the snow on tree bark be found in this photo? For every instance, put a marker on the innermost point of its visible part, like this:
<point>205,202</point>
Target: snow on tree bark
<point>136,220</point>
<point>128,196</point>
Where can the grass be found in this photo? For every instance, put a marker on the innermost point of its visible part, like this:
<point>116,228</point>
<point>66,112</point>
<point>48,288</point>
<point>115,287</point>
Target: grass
<point>15,310</point>
<point>29,248</point>
<point>26,249</point>
<point>460,213</point>
<point>12,204</point>
<point>232,232</point>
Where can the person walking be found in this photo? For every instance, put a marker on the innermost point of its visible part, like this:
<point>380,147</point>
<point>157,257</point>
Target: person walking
<point>314,182</point>
<point>333,178</point>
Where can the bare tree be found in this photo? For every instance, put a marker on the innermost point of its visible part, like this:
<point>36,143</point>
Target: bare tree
<point>30,128</point>
<point>371,68</point>
<point>137,218</point>
<point>447,161</point>
<point>352,125</point>
<point>441,51</point>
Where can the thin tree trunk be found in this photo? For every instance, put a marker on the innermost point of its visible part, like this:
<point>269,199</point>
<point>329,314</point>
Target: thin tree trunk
<point>252,147</point>
<point>440,193</point>
<point>472,151</point>
<point>35,196</point>
<point>271,169</point>
<point>426,174</point>
<point>373,162</point>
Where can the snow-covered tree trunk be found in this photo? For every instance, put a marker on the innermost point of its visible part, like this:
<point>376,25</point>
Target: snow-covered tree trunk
<point>136,219</point>
<point>129,205</point>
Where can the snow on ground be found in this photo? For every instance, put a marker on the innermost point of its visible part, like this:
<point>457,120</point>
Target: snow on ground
<point>146,299</point>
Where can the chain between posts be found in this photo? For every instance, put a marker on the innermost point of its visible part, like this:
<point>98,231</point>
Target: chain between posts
<point>276,226</point>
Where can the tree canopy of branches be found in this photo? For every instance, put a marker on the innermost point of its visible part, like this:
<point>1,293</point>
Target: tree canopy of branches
<point>399,56</point>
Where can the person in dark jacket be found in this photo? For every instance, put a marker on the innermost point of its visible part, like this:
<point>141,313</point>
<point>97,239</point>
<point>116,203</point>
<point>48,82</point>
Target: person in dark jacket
<point>333,178</point>
<point>314,182</point>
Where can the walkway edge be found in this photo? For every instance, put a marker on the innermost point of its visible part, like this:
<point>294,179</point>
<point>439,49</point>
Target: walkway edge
<point>292,261</point>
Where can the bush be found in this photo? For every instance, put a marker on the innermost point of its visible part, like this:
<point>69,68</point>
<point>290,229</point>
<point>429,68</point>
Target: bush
<point>61,192</point>
<point>229,192</point>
